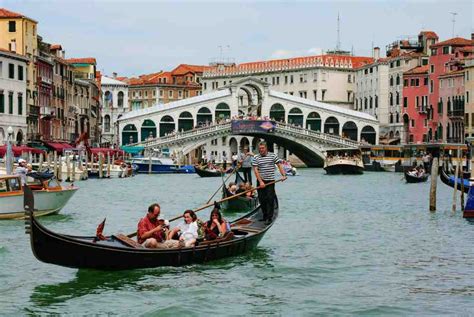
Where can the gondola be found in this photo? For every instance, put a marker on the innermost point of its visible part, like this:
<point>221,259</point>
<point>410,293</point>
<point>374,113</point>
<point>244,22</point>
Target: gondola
<point>207,173</point>
<point>118,252</point>
<point>449,180</point>
<point>238,204</point>
<point>416,179</point>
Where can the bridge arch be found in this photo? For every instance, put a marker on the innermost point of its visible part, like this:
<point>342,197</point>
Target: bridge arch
<point>185,121</point>
<point>368,134</point>
<point>250,101</point>
<point>331,126</point>
<point>147,130</point>
<point>295,116</point>
<point>349,130</point>
<point>277,112</point>
<point>222,112</point>
<point>129,134</point>
<point>204,116</point>
<point>313,121</point>
<point>166,125</point>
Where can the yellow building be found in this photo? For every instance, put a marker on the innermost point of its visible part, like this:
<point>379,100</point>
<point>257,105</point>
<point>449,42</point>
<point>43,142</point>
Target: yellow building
<point>18,34</point>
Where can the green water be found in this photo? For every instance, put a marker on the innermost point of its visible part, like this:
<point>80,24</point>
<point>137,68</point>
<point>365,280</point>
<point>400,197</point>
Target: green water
<point>343,245</point>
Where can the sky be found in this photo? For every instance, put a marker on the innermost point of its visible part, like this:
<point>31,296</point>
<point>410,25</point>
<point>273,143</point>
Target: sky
<point>139,37</point>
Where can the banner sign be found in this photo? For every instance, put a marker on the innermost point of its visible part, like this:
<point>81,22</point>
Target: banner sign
<point>253,126</point>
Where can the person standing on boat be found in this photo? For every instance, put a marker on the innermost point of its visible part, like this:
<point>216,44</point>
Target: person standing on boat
<point>224,161</point>
<point>246,166</point>
<point>22,170</point>
<point>152,232</point>
<point>264,168</point>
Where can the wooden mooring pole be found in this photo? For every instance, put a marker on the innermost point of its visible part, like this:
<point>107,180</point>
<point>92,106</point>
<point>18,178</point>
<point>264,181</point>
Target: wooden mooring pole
<point>456,174</point>
<point>434,181</point>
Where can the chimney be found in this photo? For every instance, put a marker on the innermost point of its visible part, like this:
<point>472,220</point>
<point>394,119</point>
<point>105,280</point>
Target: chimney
<point>376,53</point>
<point>472,36</point>
<point>114,75</point>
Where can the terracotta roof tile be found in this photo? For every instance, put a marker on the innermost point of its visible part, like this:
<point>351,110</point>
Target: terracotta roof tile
<point>6,14</point>
<point>56,47</point>
<point>417,70</point>
<point>429,34</point>
<point>457,41</point>
<point>185,68</point>
<point>85,60</point>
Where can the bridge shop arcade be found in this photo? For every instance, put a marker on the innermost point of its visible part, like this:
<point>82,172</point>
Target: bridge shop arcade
<point>201,125</point>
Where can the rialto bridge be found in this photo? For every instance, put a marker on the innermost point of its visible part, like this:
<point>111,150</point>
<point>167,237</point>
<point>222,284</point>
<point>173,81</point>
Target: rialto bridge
<point>304,127</point>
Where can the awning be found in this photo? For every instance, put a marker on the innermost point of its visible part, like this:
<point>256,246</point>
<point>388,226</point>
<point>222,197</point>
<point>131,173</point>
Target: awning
<point>58,147</point>
<point>18,150</point>
<point>132,149</point>
<point>38,146</point>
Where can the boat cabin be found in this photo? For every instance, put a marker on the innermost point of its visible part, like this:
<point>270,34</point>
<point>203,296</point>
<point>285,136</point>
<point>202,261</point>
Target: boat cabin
<point>10,184</point>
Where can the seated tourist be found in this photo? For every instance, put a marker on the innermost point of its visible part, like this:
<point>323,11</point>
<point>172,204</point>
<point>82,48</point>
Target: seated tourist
<point>152,232</point>
<point>216,226</point>
<point>187,230</point>
<point>241,188</point>
<point>250,193</point>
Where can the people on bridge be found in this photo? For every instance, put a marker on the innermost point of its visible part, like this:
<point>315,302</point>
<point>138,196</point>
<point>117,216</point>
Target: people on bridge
<point>264,168</point>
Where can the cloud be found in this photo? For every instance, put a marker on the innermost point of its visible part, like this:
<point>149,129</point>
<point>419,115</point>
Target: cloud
<point>282,53</point>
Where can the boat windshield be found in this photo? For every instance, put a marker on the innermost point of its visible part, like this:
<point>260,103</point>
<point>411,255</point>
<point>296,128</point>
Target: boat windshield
<point>9,185</point>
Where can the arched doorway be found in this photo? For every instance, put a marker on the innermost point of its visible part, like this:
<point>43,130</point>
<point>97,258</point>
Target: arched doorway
<point>166,125</point>
<point>222,112</point>
<point>368,134</point>
<point>185,121</point>
<point>233,146</point>
<point>120,99</point>
<point>106,123</point>
<point>295,116</point>
<point>313,121</point>
<point>331,126</point>
<point>349,130</point>
<point>277,112</point>
<point>244,144</point>
<point>19,137</point>
<point>108,99</point>
<point>129,134</point>
<point>204,116</point>
<point>148,130</point>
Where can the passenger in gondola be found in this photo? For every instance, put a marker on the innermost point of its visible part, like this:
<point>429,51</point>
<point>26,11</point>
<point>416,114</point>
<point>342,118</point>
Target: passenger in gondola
<point>216,227</point>
<point>152,232</point>
<point>187,230</point>
<point>241,188</point>
<point>250,193</point>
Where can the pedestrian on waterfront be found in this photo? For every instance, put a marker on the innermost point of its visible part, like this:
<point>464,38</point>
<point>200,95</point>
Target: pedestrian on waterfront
<point>246,166</point>
<point>22,170</point>
<point>152,232</point>
<point>264,168</point>
<point>224,161</point>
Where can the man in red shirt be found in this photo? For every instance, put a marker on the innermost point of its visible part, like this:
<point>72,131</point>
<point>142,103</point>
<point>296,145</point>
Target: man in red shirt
<point>150,233</point>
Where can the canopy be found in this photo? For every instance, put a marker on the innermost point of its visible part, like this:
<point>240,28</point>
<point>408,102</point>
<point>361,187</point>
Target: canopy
<point>17,150</point>
<point>132,149</point>
<point>58,147</point>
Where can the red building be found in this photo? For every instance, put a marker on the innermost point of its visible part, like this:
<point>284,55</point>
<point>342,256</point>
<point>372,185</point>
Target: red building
<point>451,91</point>
<point>446,57</point>
<point>417,113</point>
<point>44,82</point>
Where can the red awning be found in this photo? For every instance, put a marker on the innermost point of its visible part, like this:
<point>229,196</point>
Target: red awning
<point>58,147</point>
<point>18,150</point>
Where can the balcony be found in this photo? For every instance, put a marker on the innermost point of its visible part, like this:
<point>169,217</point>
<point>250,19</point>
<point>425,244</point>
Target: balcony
<point>422,109</point>
<point>84,112</point>
<point>456,114</point>
<point>46,80</point>
<point>47,112</point>
<point>33,111</point>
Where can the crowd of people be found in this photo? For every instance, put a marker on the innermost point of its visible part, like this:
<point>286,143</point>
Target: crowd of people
<point>154,232</point>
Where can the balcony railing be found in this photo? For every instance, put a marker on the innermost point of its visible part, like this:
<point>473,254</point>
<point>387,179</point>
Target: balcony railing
<point>456,113</point>
<point>422,109</point>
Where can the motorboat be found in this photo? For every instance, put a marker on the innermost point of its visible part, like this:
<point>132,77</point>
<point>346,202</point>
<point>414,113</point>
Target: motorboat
<point>343,161</point>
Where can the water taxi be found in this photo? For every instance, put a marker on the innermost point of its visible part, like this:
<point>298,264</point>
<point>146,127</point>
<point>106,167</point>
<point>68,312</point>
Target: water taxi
<point>343,161</point>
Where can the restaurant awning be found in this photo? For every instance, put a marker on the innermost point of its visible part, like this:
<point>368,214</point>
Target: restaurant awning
<point>58,146</point>
<point>132,149</point>
<point>18,150</point>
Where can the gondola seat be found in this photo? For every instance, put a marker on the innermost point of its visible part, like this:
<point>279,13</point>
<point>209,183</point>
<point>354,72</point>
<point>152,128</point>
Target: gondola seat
<point>127,241</point>
<point>229,235</point>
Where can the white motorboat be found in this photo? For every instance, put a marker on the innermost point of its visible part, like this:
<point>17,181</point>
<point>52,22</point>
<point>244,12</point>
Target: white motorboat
<point>344,161</point>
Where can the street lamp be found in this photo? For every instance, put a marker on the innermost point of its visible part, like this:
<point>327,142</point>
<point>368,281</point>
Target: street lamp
<point>9,154</point>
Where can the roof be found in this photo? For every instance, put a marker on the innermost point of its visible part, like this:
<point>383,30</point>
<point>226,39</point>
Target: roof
<point>417,70</point>
<point>185,68</point>
<point>85,60</point>
<point>56,47</point>
<point>456,41</point>
<point>339,61</point>
<point>13,54</point>
<point>111,81</point>
<point>453,73</point>
<point>6,14</point>
<point>429,34</point>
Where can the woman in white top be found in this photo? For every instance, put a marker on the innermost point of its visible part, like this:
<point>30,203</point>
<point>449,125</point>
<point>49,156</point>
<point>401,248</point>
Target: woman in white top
<point>188,230</point>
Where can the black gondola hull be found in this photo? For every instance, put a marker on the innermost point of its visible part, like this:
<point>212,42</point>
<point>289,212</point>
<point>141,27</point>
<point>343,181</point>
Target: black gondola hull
<point>446,179</point>
<point>205,173</point>
<point>414,179</point>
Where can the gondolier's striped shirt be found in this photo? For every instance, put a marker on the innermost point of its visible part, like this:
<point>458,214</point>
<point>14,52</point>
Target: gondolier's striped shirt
<point>266,165</point>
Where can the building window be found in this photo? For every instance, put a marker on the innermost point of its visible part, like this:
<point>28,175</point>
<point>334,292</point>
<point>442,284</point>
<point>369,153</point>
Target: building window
<point>397,98</point>
<point>391,99</point>
<point>446,50</point>
<point>398,63</point>
<point>170,94</point>
<point>180,94</point>
<point>11,71</point>
<point>417,82</point>
<point>405,102</point>
<point>467,96</point>
<point>391,64</point>
<point>323,94</point>
<point>398,80</point>
<point>432,68</point>
<point>425,81</point>
<point>291,79</point>
<point>2,102</point>
<point>315,76</point>
<point>434,51</point>
<point>120,99</point>
<point>303,94</point>
<point>10,103</point>
<point>286,79</point>
<point>376,101</point>
<point>20,72</point>
<point>405,83</point>
<point>205,86</point>
<point>20,104</point>
<point>11,26</point>
<point>315,93</point>
<point>391,81</point>
<point>107,123</point>
<point>431,86</point>
<point>365,103</point>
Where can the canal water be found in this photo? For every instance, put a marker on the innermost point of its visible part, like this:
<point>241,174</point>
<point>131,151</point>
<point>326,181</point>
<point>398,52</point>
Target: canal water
<point>364,245</point>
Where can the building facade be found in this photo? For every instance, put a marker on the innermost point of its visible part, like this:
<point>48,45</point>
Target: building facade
<point>469,101</point>
<point>327,78</point>
<point>13,70</point>
<point>114,104</point>
<point>451,89</point>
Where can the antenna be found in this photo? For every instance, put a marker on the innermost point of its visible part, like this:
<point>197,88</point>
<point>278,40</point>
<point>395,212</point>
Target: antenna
<point>221,52</point>
<point>338,44</point>
<point>454,19</point>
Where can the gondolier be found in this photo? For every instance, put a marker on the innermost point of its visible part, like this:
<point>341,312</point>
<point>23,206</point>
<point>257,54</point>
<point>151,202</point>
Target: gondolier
<point>264,168</point>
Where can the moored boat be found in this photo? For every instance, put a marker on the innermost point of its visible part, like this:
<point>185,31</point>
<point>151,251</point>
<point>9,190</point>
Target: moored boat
<point>343,161</point>
<point>450,180</point>
<point>118,252</point>
<point>49,195</point>
<point>204,172</point>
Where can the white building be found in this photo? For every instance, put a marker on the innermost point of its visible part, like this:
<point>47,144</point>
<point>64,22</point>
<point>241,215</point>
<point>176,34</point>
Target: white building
<point>115,94</point>
<point>327,78</point>
<point>12,96</point>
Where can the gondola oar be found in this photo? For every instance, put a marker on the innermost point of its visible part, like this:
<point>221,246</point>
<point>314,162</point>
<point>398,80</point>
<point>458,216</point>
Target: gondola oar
<point>131,235</point>
<point>235,169</point>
